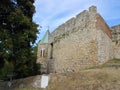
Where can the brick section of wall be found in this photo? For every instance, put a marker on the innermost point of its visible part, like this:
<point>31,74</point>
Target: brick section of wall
<point>101,25</point>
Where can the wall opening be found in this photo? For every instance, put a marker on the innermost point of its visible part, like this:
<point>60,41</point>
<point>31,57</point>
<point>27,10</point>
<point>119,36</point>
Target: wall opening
<point>42,52</point>
<point>51,53</point>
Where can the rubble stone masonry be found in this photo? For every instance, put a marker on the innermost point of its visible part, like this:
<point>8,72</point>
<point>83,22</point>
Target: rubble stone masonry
<point>116,40</point>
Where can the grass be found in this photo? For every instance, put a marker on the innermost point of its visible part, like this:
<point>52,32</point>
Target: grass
<point>114,64</point>
<point>97,78</point>
<point>28,88</point>
<point>93,79</point>
<point>114,61</point>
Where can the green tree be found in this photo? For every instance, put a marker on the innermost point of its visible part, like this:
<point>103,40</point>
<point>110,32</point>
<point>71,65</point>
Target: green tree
<point>17,35</point>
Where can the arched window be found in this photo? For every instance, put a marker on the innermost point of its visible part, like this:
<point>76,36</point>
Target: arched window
<point>42,52</point>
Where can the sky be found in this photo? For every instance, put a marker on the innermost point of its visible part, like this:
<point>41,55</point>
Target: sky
<point>53,13</point>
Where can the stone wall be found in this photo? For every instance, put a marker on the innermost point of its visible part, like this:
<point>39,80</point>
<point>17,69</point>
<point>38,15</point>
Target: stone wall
<point>104,41</point>
<point>74,43</point>
<point>116,33</point>
<point>65,27</point>
<point>116,40</point>
<point>105,47</point>
<point>117,50</point>
<point>41,59</point>
<point>74,53</point>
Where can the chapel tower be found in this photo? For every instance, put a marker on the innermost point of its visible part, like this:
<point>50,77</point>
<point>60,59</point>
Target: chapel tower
<point>42,53</point>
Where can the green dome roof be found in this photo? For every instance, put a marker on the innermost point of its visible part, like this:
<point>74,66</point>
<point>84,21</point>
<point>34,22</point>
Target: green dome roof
<point>45,38</point>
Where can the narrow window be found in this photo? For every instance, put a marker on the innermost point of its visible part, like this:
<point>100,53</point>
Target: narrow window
<point>43,53</point>
<point>40,53</point>
<point>51,53</point>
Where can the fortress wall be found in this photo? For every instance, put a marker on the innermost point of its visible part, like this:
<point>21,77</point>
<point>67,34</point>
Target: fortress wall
<point>81,42</point>
<point>104,41</point>
<point>76,48</point>
<point>116,40</point>
<point>117,50</point>
<point>116,33</point>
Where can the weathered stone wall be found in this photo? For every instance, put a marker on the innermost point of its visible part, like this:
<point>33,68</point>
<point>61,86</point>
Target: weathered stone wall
<point>116,33</point>
<point>81,42</point>
<point>117,50</point>
<point>75,52</point>
<point>105,47</point>
<point>65,27</point>
<point>41,59</point>
<point>74,43</point>
<point>104,41</point>
<point>116,40</point>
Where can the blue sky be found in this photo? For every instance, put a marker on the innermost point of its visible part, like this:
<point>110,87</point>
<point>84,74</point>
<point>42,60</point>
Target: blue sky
<point>55,12</point>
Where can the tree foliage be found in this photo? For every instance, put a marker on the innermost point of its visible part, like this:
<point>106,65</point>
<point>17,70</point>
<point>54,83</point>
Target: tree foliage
<point>17,35</point>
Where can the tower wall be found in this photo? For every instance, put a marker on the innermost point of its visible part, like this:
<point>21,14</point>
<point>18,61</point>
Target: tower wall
<point>42,57</point>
